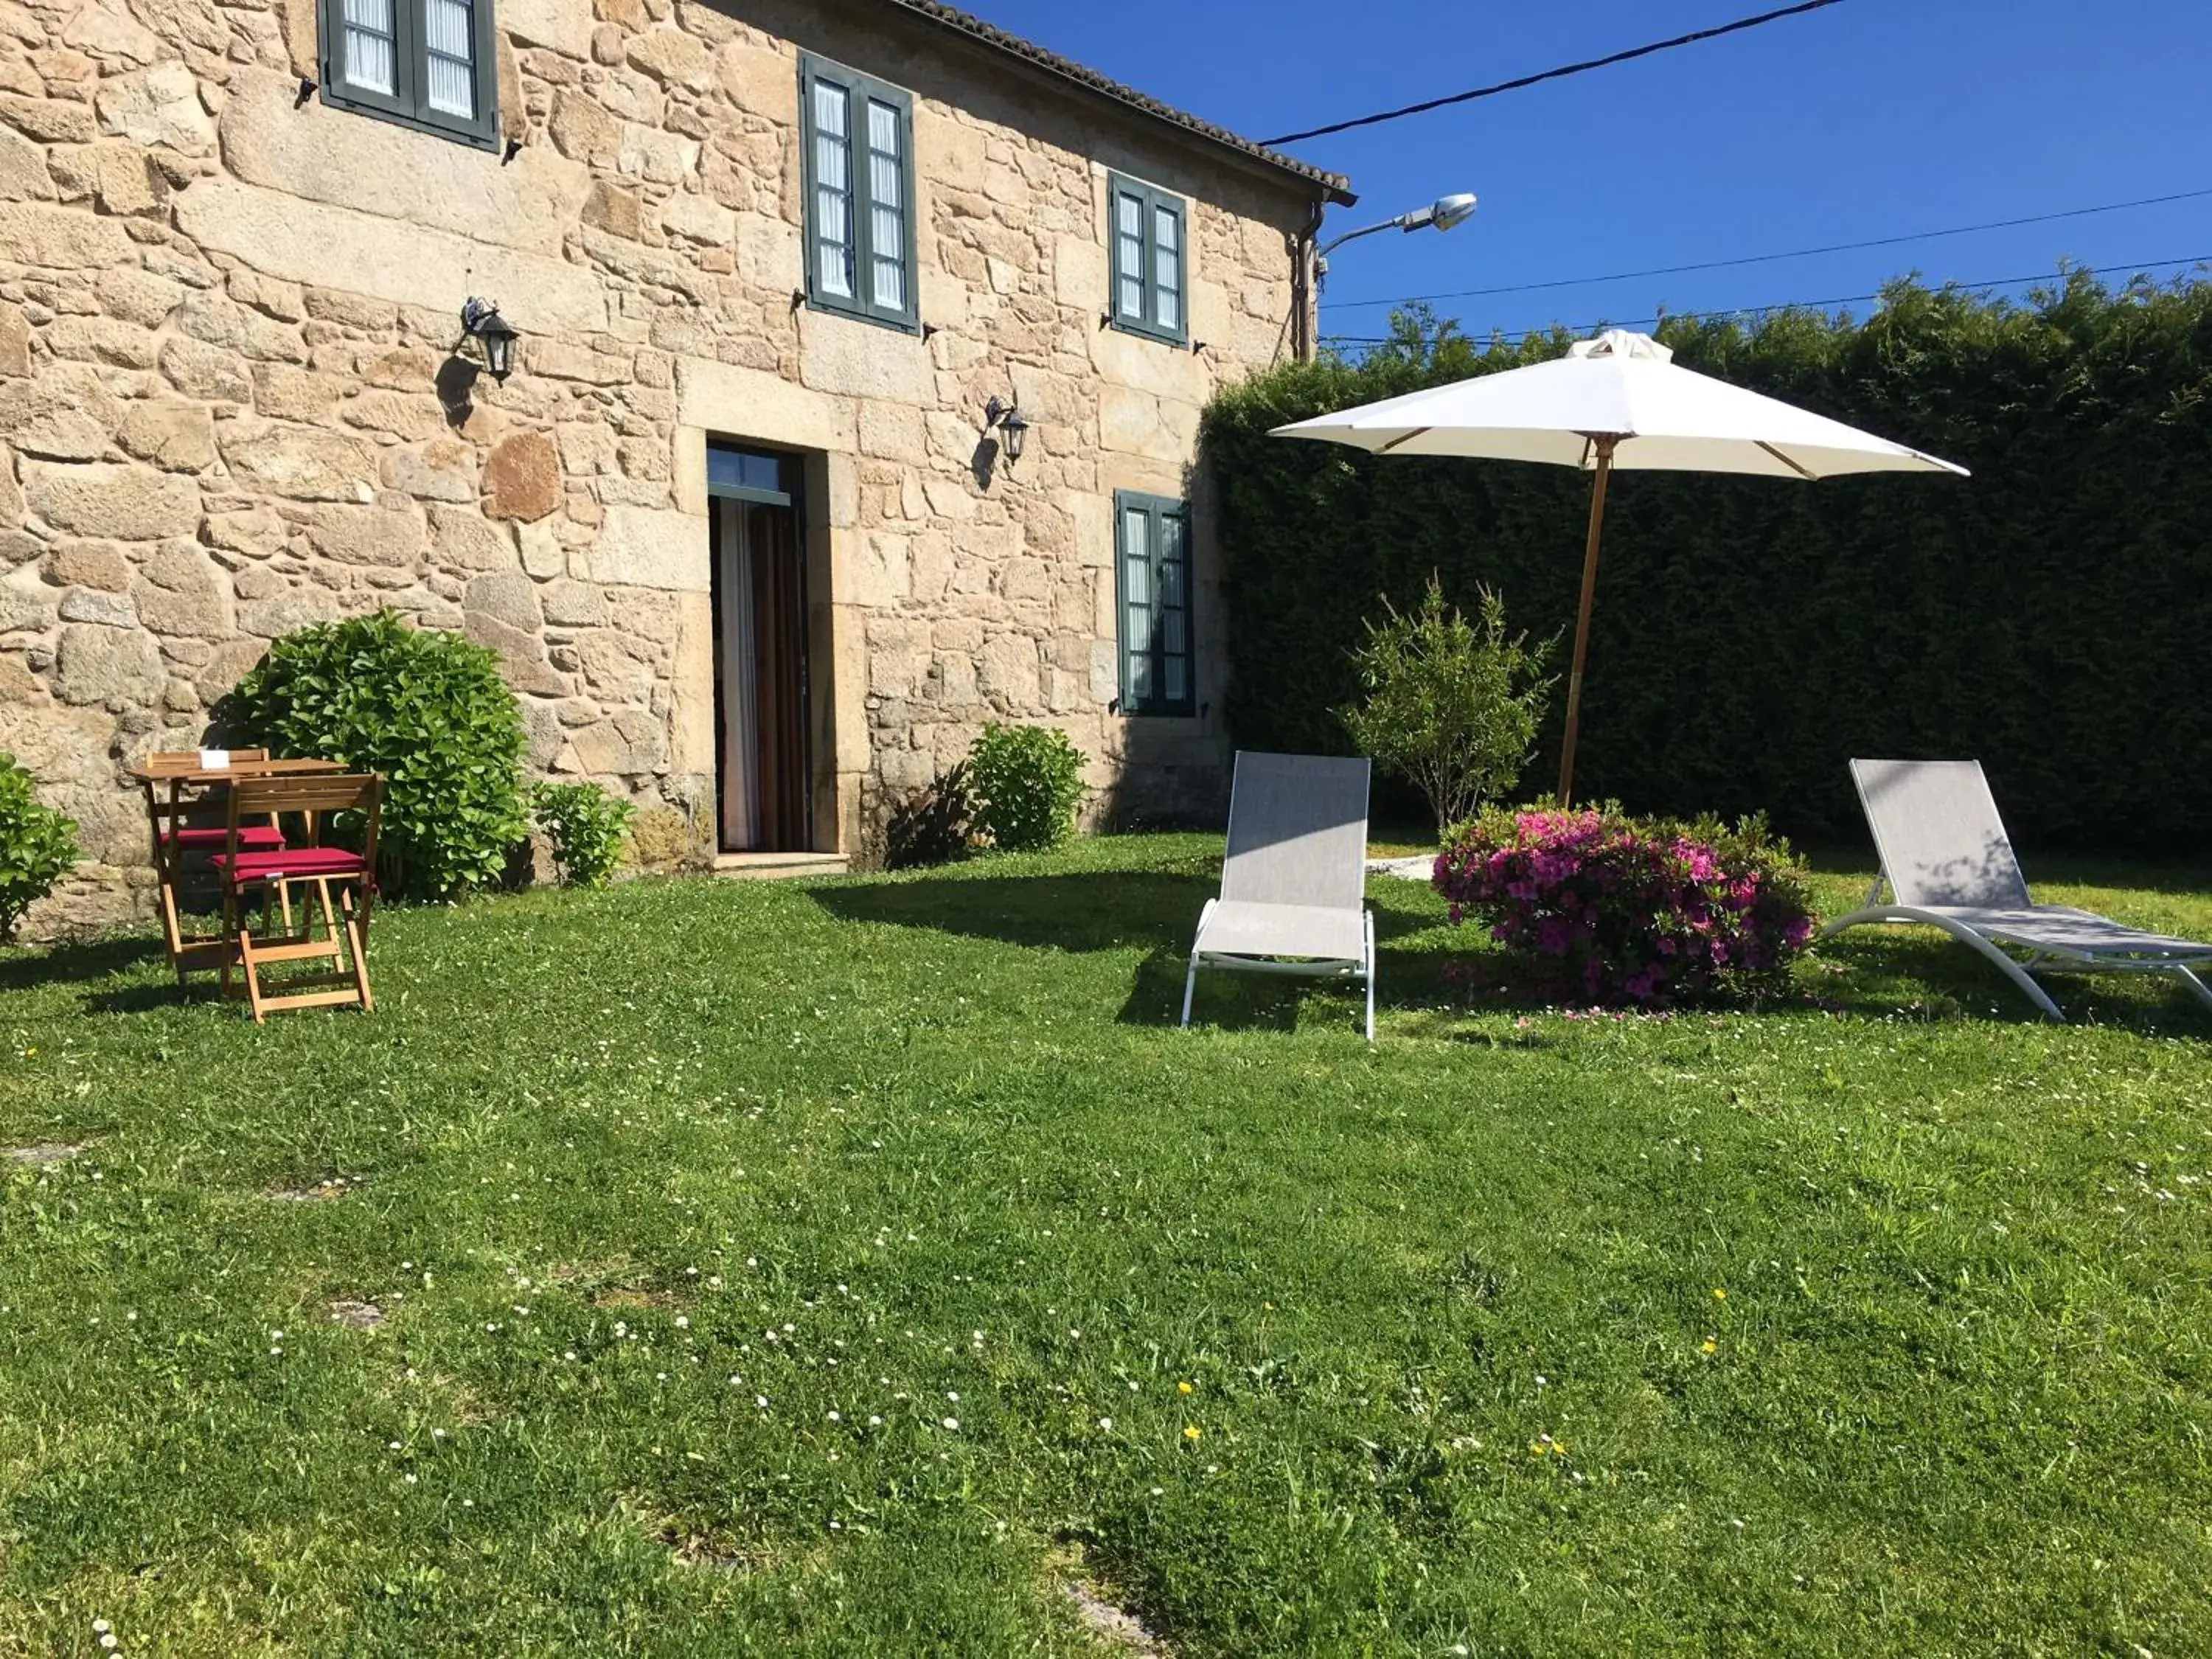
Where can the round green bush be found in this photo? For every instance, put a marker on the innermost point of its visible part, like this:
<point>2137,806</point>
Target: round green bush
<point>427,710</point>
<point>585,825</point>
<point>1025,782</point>
<point>38,845</point>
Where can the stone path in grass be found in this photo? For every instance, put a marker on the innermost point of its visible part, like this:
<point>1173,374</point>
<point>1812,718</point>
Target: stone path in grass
<point>1417,868</point>
<point>46,1152</point>
<point>1121,1632</point>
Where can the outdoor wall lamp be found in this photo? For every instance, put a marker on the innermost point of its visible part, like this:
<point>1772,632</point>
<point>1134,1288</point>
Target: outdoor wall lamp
<point>1444,213</point>
<point>481,322</point>
<point>1007,418</point>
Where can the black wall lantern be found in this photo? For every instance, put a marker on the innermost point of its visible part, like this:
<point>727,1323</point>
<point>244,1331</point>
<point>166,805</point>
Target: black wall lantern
<point>480,321</point>
<point>1007,418</point>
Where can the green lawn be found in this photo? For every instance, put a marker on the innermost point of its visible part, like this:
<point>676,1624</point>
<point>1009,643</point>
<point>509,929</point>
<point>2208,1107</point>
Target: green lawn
<point>690,1208</point>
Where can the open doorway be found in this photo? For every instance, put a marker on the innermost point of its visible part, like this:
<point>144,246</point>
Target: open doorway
<point>759,650</point>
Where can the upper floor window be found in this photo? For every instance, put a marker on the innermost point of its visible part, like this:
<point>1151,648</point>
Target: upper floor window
<point>1150,268</point>
<point>426,62</point>
<point>859,195</point>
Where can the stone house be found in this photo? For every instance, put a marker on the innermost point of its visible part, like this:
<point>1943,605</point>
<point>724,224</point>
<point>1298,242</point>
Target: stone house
<point>739,523</point>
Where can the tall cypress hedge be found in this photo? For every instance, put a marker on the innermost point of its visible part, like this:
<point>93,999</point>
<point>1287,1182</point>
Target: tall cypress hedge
<point>2052,615</point>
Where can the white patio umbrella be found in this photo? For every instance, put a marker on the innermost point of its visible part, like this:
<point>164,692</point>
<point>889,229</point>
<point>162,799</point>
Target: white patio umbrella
<point>1613,402</point>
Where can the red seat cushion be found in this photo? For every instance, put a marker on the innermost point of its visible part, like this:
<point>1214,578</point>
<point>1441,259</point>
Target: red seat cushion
<point>289,864</point>
<point>254,837</point>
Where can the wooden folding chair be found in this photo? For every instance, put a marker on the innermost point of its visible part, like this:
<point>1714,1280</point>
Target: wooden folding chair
<point>314,797</point>
<point>170,803</point>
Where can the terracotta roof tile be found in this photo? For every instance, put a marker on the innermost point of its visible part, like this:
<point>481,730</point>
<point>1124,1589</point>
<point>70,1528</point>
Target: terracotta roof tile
<point>1335,186</point>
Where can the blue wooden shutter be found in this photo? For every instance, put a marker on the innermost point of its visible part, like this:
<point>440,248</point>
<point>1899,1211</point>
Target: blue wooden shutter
<point>859,195</point>
<point>1148,242</point>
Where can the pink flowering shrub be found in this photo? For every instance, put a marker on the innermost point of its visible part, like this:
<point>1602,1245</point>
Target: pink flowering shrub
<point>1624,910</point>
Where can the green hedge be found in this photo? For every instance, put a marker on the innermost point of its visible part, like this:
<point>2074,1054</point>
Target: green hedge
<point>2049,615</point>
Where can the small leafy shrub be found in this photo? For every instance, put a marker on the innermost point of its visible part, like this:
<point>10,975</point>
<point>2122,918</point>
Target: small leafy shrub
<point>585,826</point>
<point>427,710</point>
<point>1647,911</point>
<point>930,826</point>
<point>1027,780</point>
<point>1450,706</point>
<point>38,845</point>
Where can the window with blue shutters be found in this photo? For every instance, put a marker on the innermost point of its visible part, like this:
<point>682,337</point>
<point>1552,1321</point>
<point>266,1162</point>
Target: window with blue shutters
<point>859,195</point>
<point>1146,232</point>
<point>428,63</point>
<point>1152,537</point>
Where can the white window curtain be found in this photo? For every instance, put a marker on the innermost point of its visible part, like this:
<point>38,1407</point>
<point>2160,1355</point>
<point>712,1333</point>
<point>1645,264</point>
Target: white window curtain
<point>1136,602</point>
<point>372,60</point>
<point>887,205</point>
<point>1167,267</point>
<point>832,190</point>
<point>451,27</point>
<point>740,685</point>
<point>1129,231</point>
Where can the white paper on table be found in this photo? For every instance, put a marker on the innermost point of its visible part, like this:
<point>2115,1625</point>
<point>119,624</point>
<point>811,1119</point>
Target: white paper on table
<point>215,760</point>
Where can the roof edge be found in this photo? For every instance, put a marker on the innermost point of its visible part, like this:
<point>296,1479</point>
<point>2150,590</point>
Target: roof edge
<point>1333,187</point>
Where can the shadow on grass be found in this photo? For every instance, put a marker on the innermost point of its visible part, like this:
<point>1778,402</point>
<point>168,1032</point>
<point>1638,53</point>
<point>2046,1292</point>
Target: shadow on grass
<point>1152,911</point>
<point>1090,910</point>
<point>93,966</point>
<point>1875,975</point>
<point>1884,974</point>
<point>1407,978</point>
<point>1921,973</point>
<point>145,999</point>
<point>76,961</point>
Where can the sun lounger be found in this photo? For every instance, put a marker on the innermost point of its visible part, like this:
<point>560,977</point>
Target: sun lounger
<point>1294,881</point>
<point>1949,864</point>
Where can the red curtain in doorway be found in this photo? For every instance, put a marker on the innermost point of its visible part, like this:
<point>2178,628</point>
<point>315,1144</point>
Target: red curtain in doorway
<point>779,624</point>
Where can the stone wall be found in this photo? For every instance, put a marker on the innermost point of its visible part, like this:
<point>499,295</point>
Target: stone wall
<point>230,404</point>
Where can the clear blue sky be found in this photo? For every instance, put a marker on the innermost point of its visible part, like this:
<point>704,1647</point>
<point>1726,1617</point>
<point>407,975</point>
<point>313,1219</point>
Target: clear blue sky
<point>1872,118</point>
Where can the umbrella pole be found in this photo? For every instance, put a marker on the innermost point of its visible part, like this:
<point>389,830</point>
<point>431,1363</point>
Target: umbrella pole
<point>1582,618</point>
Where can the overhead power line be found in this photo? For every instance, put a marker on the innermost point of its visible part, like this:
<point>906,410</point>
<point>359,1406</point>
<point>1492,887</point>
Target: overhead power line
<point>1769,259</point>
<point>2133,267</point>
<point>1558,74</point>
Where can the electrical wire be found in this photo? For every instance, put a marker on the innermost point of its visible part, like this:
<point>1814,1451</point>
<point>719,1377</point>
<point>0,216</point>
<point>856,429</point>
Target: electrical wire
<point>2135,268</point>
<point>1768,258</point>
<point>1558,74</point>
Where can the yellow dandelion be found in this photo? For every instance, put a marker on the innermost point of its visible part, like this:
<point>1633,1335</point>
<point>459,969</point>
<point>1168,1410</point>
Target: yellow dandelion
<point>1720,1296</point>
<point>1558,1448</point>
<point>1708,1346</point>
<point>1536,1449</point>
<point>1190,1432</point>
<point>1182,1387</point>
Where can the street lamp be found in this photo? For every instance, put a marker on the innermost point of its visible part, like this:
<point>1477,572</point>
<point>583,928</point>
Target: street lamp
<point>1444,213</point>
<point>1312,263</point>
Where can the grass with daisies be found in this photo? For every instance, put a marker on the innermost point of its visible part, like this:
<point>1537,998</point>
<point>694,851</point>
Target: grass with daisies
<point>854,1265</point>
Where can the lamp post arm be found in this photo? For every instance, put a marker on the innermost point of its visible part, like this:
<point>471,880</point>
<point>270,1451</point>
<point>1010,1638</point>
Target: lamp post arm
<point>1313,261</point>
<point>1328,248</point>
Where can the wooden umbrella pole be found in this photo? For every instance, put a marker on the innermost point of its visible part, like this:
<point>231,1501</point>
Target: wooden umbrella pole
<point>1604,447</point>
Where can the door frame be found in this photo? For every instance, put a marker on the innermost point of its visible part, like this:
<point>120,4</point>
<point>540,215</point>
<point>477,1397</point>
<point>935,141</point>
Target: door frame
<point>744,485</point>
